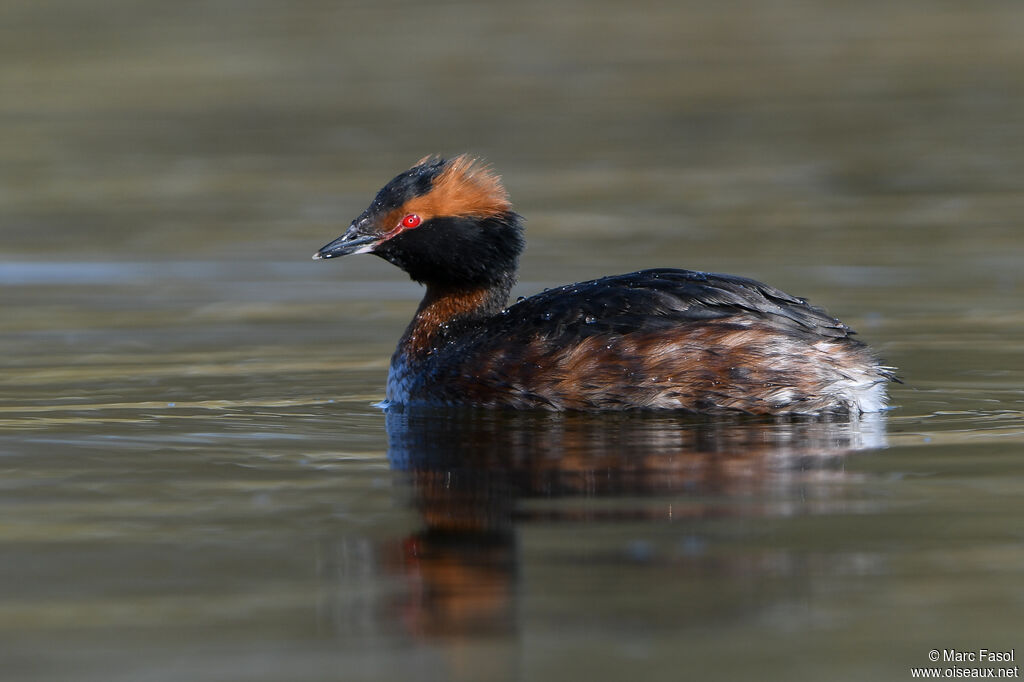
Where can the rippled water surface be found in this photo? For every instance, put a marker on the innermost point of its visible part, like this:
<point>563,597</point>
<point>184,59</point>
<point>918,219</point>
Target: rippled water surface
<point>196,483</point>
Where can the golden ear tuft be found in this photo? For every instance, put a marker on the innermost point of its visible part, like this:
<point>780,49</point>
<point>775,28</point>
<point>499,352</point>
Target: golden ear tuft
<point>466,187</point>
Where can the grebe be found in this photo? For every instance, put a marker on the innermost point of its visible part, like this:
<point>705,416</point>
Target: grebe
<point>665,338</point>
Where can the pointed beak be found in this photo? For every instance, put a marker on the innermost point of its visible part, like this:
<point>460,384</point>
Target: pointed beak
<point>351,242</point>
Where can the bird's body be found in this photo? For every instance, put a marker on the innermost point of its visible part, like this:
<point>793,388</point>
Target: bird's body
<point>665,338</point>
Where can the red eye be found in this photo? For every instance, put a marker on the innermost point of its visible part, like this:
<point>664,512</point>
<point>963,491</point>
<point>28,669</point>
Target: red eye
<point>411,220</point>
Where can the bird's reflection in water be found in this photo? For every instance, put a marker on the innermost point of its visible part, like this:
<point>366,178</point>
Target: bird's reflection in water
<point>477,477</point>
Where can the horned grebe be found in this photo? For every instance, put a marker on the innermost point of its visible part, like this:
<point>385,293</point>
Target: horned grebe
<point>665,338</point>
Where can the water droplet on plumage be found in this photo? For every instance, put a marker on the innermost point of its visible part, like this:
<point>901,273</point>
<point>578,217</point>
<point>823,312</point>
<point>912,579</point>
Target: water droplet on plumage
<point>520,298</point>
<point>545,316</point>
<point>590,319</point>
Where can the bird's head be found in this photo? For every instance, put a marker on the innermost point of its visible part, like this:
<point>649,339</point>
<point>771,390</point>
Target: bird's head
<point>443,221</point>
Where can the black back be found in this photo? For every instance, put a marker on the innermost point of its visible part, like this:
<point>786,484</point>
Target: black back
<point>650,300</point>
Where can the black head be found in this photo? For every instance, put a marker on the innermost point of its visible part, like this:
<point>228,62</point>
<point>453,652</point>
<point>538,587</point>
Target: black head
<point>442,221</point>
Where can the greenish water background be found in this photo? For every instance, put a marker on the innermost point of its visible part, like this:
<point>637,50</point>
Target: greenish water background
<point>196,484</point>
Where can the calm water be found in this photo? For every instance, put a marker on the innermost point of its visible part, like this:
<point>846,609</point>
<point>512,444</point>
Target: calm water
<point>196,484</point>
